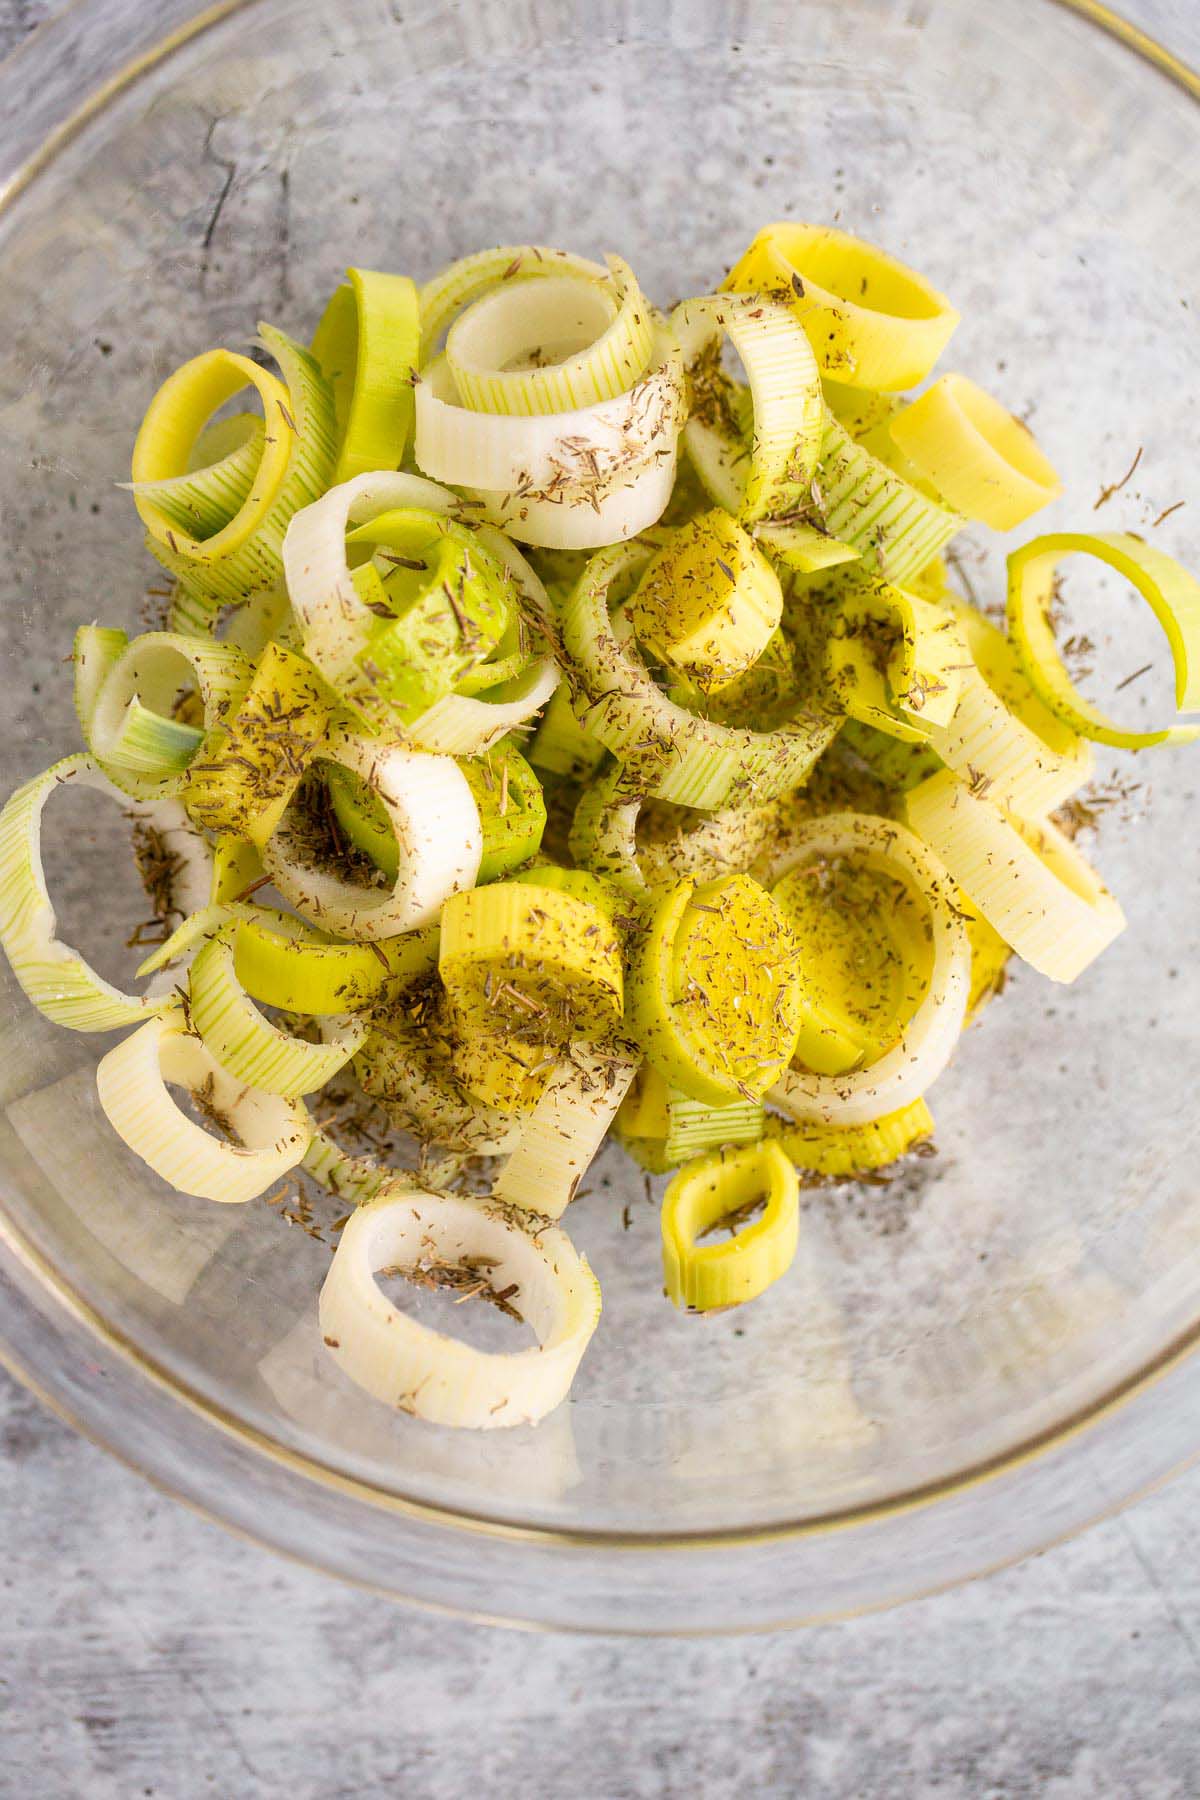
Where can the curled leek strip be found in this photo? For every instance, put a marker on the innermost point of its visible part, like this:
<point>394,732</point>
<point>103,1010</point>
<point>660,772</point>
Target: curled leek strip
<point>236,868</point>
<point>668,750</point>
<point>282,963</point>
<point>603,836</point>
<point>252,762</point>
<point>406,1068</point>
<point>224,462</point>
<point>561,746</point>
<point>803,548</point>
<point>246,1044</point>
<point>1171,594</point>
<point>56,978</point>
<point>367,346</point>
<point>980,457</point>
<point>336,623</point>
<point>628,504</point>
<point>1024,876</point>
<point>785,392</point>
<point>725,1185</point>
<point>693,1128</point>
<point>512,813</point>
<point>713,994</point>
<point>560,1137</point>
<point>299,452</point>
<point>434,820</point>
<point>872,321</point>
<point>904,1072</point>
<point>566,343</point>
<point>1002,740</point>
<point>461,282</point>
<point>518,955</point>
<point>709,602</point>
<point>920,647</point>
<point>353,1179</point>
<point>572,454</point>
<point>129,726</point>
<point>508,1075</point>
<point>261,1136</point>
<point>895,528</point>
<point>843,1151</point>
<point>598,891</point>
<point>440,1378</point>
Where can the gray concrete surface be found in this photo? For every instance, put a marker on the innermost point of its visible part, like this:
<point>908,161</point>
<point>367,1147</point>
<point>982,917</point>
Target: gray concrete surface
<point>145,1653</point>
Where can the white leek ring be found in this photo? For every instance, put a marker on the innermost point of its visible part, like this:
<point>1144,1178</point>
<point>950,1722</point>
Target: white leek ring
<point>1024,876</point>
<point>561,1136</point>
<point>435,820</point>
<point>440,1378</point>
<point>247,1044</point>
<point>903,1073</point>
<point>54,976</point>
<point>265,1135</point>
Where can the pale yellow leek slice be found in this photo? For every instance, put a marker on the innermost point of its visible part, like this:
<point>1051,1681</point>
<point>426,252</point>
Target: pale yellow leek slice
<point>719,1187</point>
<point>255,1139</point>
<point>513,954</point>
<point>301,970</point>
<point>461,282</point>
<point>565,343</point>
<point>1025,877</point>
<point>434,820</point>
<point>844,1151</point>
<point>128,721</point>
<point>872,321</point>
<point>709,602</point>
<point>669,750</point>
<point>246,1043</point>
<point>713,990</point>
<point>574,454</point>
<point>54,976</point>
<point>926,1042</point>
<point>236,869</point>
<point>858,499</point>
<point>251,763</point>
<point>423,1372</point>
<point>981,458</point>
<point>406,1066</point>
<point>692,1127</point>
<point>560,1137</point>
<point>367,345</point>
<point>299,454</point>
<point>336,623</point>
<point>603,835</point>
<point>886,635</point>
<point>561,745</point>
<point>785,392</point>
<point>1171,594</point>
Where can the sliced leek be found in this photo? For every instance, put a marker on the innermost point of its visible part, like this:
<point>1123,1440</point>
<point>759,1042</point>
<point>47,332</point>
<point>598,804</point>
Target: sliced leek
<point>860,1094</point>
<point>434,820</point>
<point>979,456</point>
<point>713,991</point>
<point>255,1137</point>
<point>56,978</point>
<point>562,1134</point>
<point>709,601</point>
<point>420,1371</point>
<point>785,394</point>
<point>246,1043</point>
<point>516,954</point>
<point>714,1188</point>
<point>872,321</point>
<point>1168,590</point>
<point>1024,876</point>
<point>669,750</point>
<point>844,1151</point>
<point>367,345</point>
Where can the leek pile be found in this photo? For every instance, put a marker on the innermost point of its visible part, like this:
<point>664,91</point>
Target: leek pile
<point>554,735</point>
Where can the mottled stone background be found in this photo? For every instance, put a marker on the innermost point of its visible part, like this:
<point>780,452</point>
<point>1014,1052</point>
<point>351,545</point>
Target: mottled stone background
<point>145,1653</point>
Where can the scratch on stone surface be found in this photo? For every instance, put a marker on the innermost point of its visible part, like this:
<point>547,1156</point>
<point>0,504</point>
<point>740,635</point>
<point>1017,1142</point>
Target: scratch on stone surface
<point>285,237</point>
<point>230,169</point>
<point>1154,1578</point>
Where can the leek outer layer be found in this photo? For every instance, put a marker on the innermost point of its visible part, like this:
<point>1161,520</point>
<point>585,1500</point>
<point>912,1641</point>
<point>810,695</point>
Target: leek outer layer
<point>903,1073</point>
<point>710,1189</point>
<point>420,1371</point>
<point>1171,594</point>
<point>1025,877</point>
<point>872,321</point>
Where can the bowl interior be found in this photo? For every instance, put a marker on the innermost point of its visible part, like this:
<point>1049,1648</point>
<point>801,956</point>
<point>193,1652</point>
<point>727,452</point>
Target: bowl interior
<point>1049,181</point>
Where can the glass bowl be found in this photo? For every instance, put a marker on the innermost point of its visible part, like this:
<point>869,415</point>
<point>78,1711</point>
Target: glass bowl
<point>962,1366</point>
